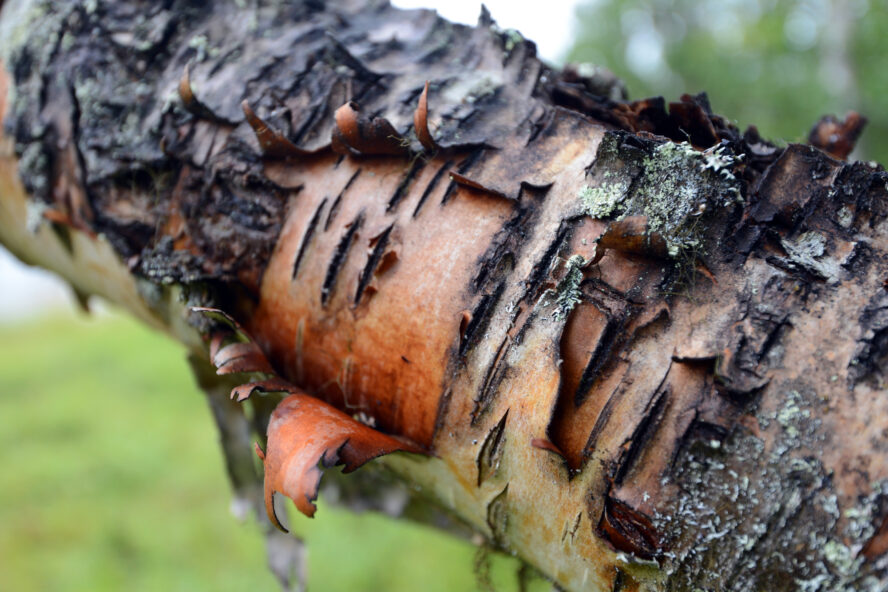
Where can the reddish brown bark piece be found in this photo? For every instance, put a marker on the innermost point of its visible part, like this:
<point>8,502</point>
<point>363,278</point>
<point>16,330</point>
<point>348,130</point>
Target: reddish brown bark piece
<point>421,121</point>
<point>466,182</point>
<point>272,385</point>
<point>241,357</point>
<point>628,530</point>
<point>688,114</point>
<point>837,138</point>
<point>878,545</point>
<point>189,101</point>
<point>222,317</point>
<point>273,143</point>
<point>185,92</point>
<point>358,132</point>
<point>644,115</point>
<point>631,235</point>
<point>216,341</point>
<point>305,432</point>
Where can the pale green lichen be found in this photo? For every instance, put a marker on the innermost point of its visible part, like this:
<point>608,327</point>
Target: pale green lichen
<point>841,558</point>
<point>791,414</point>
<point>472,87</point>
<point>21,20</point>
<point>605,200</point>
<point>513,38</point>
<point>567,293</point>
<point>677,187</point>
<point>68,40</point>
<point>199,44</point>
<point>844,565</point>
<point>673,186</point>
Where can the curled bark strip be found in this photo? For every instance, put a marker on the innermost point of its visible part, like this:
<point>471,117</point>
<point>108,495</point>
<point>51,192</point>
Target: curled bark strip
<point>304,432</point>
<point>272,143</point>
<point>631,235</point>
<point>185,92</point>
<point>364,135</point>
<point>272,385</point>
<point>466,182</point>
<point>242,354</point>
<point>837,138</point>
<point>189,101</point>
<point>690,114</point>
<point>223,318</point>
<point>421,121</point>
<point>216,341</point>
<point>241,357</point>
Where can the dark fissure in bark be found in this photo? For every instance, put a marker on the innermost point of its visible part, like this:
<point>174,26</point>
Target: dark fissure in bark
<point>445,169</point>
<point>480,317</point>
<point>334,209</point>
<point>338,258</point>
<point>309,233</point>
<point>414,169</point>
<point>372,263</point>
<point>597,360</point>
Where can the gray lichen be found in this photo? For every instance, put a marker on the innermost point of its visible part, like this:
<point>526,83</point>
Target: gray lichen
<point>791,413</point>
<point>513,38</point>
<point>728,507</point>
<point>678,185</point>
<point>808,252</point>
<point>603,201</point>
<point>567,293</point>
<point>672,184</point>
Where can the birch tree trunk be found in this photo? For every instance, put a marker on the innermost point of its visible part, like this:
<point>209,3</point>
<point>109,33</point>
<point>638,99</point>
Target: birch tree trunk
<point>621,340</point>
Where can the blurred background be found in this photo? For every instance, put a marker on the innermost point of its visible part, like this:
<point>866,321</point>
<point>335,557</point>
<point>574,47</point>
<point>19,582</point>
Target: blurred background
<point>110,477</point>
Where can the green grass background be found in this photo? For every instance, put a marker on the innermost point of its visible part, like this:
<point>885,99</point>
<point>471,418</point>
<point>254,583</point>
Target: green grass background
<point>110,479</point>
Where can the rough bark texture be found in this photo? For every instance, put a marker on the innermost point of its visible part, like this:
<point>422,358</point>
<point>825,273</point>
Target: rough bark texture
<point>637,348</point>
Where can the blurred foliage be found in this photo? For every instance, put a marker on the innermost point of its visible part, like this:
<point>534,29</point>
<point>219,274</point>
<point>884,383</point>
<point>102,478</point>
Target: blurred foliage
<point>777,64</point>
<point>111,479</point>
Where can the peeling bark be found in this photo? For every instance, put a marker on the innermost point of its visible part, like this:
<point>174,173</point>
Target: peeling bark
<point>635,347</point>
